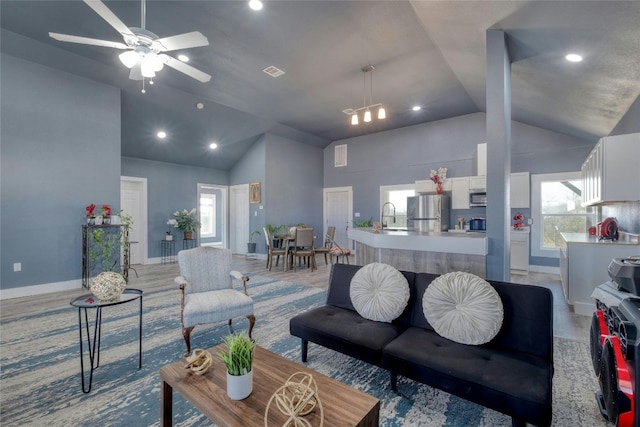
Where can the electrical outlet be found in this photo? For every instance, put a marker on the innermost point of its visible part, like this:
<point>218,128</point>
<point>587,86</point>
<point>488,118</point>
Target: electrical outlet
<point>17,266</point>
<point>357,215</point>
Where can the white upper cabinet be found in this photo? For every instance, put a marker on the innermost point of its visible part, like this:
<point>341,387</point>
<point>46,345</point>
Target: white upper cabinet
<point>478,183</point>
<point>460,193</point>
<point>520,190</point>
<point>611,172</point>
<point>482,159</point>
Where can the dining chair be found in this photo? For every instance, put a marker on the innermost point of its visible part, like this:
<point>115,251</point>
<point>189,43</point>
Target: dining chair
<point>303,247</point>
<point>207,290</point>
<point>328,243</point>
<point>274,252</point>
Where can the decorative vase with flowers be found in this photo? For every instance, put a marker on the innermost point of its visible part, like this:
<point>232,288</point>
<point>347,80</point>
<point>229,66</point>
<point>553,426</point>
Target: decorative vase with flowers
<point>106,214</point>
<point>91,216</point>
<point>438,177</point>
<point>186,221</point>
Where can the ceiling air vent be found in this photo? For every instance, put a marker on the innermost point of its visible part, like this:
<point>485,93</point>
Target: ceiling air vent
<point>340,155</point>
<point>273,71</point>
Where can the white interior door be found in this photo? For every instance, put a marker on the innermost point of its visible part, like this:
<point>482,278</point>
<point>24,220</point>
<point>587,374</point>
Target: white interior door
<point>133,202</point>
<point>239,218</point>
<point>338,211</point>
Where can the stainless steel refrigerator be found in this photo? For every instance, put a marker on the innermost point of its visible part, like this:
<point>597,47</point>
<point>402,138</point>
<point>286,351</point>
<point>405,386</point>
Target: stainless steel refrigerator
<point>428,213</point>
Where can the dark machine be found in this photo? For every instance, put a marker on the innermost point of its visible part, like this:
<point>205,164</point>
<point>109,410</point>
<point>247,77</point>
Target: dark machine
<point>615,344</point>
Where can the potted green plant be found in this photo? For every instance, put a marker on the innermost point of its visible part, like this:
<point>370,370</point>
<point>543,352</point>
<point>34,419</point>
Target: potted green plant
<point>186,221</point>
<point>251,246</point>
<point>238,359</point>
<point>273,230</point>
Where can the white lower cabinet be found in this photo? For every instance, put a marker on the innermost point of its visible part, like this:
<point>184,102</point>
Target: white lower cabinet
<point>520,252</point>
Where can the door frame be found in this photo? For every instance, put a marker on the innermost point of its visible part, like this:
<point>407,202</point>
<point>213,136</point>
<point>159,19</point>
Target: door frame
<point>325,214</point>
<point>144,243</point>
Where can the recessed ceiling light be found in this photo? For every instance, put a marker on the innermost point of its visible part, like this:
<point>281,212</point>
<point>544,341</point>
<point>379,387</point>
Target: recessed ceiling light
<point>255,4</point>
<point>572,57</point>
<point>162,134</point>
<point>183,58</point>
<point>416,108</point>
<point>199,105</point>
<point>213,145</point>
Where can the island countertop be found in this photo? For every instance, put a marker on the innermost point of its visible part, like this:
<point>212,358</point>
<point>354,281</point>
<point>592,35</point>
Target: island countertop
<point>455,243</point>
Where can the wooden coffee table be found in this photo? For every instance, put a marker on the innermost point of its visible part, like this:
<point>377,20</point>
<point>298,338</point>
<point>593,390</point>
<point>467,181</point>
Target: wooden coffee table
<point>343,405</point>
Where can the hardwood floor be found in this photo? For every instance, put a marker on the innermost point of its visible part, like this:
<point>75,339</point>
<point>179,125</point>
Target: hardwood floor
<point>156,276</point>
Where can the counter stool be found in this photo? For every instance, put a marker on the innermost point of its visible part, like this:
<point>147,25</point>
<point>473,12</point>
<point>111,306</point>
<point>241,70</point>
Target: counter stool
<point>337,251</point>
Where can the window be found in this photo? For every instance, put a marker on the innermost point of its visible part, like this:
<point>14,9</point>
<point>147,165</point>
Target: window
<point>556,208</point>
<point>208,215</point>
<point>396,194</point>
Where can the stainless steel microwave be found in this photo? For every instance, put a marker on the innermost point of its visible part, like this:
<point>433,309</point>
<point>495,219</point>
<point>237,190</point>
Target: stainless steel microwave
<point>478,199</point>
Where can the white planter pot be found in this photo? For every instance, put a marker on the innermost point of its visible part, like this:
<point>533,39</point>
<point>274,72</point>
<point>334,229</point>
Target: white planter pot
<point>239,387</point>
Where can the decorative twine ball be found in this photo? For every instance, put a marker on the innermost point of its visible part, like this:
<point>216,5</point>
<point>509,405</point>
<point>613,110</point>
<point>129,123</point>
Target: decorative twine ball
<point>199,362</point>
<point>108,285</point>
<point>295,399</point>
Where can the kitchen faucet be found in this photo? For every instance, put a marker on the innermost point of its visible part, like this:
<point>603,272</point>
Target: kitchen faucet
<point>382,215</point>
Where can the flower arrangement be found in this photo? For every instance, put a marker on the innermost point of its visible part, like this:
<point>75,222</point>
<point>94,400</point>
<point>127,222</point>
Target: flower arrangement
<point>90,209</point>
<point>439,176</point>
<point>185,220</point>
<point>105,210</point>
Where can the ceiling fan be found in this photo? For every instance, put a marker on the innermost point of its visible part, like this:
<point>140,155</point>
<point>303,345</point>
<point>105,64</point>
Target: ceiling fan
<point>144,50</point>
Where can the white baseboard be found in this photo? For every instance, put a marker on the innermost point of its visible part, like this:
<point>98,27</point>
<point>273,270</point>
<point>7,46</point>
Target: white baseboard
<point>544,269</point>
<point>584,308</point>
<point>27,291</point>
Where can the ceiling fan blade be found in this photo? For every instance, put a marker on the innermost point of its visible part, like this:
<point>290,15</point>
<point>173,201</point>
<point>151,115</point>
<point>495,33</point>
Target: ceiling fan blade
<point>186,69</point>
<point>136,73</point>
<point>87,40</point>
<point>106,14</point>
<point>183,41</point>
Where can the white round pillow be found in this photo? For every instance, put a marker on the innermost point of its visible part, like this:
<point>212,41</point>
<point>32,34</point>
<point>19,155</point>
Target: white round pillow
<point>379,292</point>
<point>463,307</point>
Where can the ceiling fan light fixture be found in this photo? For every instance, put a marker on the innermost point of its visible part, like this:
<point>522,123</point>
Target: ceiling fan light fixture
<point>382,114</point>
<point>354,119</point>
<point>129,58</point>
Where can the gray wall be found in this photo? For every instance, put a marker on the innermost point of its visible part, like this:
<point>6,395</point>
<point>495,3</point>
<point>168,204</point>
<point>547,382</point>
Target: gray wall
<point>251,168</point>
<point>294,178</point>
<point>402,156</point>
<point>60,150</point>
<point>630,122</point>
<point>170,187</point>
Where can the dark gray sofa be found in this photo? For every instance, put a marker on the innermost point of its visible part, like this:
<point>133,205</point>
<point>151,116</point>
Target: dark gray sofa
<point>511,374</point>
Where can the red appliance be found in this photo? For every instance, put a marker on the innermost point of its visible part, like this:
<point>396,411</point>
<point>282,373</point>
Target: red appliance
<point>608,229</point>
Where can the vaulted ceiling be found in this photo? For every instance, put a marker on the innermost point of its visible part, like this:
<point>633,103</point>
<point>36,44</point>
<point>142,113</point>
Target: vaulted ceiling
<point>428,53</point>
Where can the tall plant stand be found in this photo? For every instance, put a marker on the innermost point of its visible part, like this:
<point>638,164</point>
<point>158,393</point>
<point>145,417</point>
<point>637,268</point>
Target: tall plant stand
<point>114,232</point>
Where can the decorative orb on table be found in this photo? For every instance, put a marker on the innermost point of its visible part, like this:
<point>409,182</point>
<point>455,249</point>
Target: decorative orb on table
<point>108,285</point>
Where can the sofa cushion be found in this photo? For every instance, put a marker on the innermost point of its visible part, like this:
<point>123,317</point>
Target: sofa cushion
<point>379,292</point>
<point>345,331</point>
<point>464,308</point>
<point>511,382</point>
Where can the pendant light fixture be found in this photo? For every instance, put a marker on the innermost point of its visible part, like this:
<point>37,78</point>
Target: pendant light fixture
<point>367,116</point>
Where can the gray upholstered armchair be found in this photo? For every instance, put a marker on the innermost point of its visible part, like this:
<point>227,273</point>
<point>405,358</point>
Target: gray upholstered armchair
<point>207,291</point>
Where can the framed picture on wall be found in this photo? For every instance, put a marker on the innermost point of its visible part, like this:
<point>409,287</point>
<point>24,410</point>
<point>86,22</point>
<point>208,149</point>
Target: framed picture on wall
<point>254,193</point>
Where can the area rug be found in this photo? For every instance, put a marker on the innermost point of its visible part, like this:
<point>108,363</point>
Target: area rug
<point>40,368</point>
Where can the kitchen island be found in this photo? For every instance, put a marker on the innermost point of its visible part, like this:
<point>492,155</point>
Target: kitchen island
<point>583,265</point>
<point>436,253</point>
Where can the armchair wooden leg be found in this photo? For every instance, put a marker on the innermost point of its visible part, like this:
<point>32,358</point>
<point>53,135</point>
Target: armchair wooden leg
<point>186,333</point>
<point>230,326</point>
<point>252,322</point>
<point>325,259</point>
